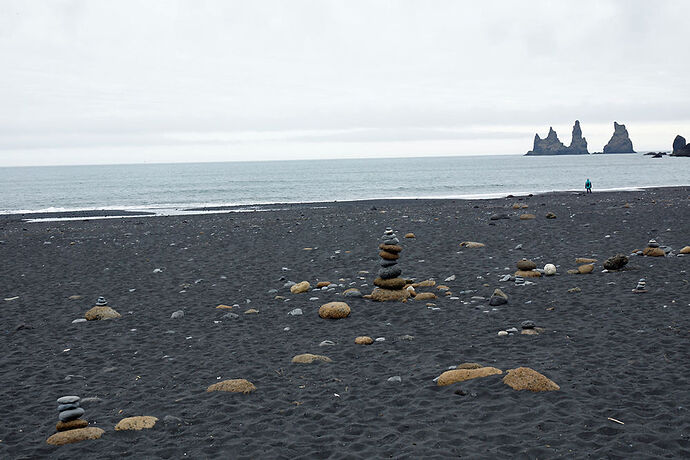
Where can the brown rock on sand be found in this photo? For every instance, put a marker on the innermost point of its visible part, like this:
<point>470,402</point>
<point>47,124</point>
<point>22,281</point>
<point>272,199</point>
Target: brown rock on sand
<point>137,423</point>
<point>524,378</point>
<point>384,295</point>
<point>308,358</point>
<point>460,375</point>
<point>584,269</point>
<point>653,252</point>
<point>99,313</point>
<point>394,248</point>
<point>364,340</point>
<point>550,215</point>
<point>233,386</point>
<point>392,283</point>
<point>409,235</point>
<point>525,264</point>
<point>472,244</point>
<point>527,216</point>
<point>251,311</point>
<point>528,273</point>
<point>685,250</point>
<point>388,255</point>
<point>80,434</point>
<point>425,283</point>
<point>224,307</point>
<point>71,425</point>
<point>321,284</point>
<point>425,296</point>
<point>300,287</point>
<point>334,310</point>
<point>584,260</point>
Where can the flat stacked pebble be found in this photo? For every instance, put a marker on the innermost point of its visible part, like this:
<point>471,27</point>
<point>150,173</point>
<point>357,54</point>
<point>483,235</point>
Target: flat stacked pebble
<point>389,284</point>
<point>641,286</point>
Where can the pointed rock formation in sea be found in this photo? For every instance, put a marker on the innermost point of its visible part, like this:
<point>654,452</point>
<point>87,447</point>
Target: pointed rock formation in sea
<point>579,144</point>
<point>551,145</point>
<point>620,141</point>
<point>680,148</point>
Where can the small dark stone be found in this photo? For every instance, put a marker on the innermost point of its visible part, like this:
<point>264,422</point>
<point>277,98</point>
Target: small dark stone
<point>390,272</point>
<point>497,300</point>
<point>460,392</point>
<point>388,263</point>
<point>616,262</point>
<point>528,324</point>
<point>499,216</point>
<point>72,414</point>
<point>64,407</point>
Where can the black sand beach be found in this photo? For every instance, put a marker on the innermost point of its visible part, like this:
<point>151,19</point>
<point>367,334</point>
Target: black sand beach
<point>615,354</point>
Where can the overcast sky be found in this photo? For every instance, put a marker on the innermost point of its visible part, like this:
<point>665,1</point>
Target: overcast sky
<point>162,81</point>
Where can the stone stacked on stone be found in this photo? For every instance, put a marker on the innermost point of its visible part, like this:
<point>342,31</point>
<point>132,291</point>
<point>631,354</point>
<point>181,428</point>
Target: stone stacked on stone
<point>527,269</point>
<point>389,284</point>
<point>641,286</point>
<point>653,249</point>
<point>69,414</point>
<point>101,311</point>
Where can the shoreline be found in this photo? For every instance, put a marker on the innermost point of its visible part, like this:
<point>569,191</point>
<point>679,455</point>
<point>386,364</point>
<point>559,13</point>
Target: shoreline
<point>154,211</point>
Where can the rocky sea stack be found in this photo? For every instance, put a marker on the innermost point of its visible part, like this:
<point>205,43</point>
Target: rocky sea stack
<point>680,148</point>
<point>551,145</point>
<point>620,141</point>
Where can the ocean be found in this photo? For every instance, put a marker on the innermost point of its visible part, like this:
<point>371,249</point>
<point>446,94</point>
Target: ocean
<point>172,188</point>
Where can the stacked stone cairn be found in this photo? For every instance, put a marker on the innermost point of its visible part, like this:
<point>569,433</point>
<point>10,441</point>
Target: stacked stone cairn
<point>526,269</point>
<point>653,249</point>
<point>101,302</point>
<point>71,428</point>
<point>69,414</point>
<point>389,284</point>
<point>641,286</point>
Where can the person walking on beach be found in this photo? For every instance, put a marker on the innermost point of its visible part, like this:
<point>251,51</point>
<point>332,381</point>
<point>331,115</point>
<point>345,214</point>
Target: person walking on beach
<point>588,186</point>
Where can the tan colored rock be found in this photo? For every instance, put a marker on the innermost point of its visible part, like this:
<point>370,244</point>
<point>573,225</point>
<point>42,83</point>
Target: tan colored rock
<point>308,358</point>
<point>530,332</point>
<point>233,386</point>
<point>472,244</point>
<point>394,248</point>
<point>251,311</point>
<point>425,296</point>
<point>71,425</point>
<point>626,205</point>
<point>653,252</point>
<point>409,235</point>
<point>685,250</point>
<point>386,295</point>
<point>71,436</point>
<point>442,287</point>
<point>392,283</point>
<point>299,288</point>
<point>528,273</point>
<point>499,293</point>
<point>425,283</point>
<point>140,422</point>
<point>527,216</point>
<point>334,310</point>
<point>524,378</point>
<point>74,297</point>
<point>525,264</point>
<point>224,307</point>
<point>460,375</point>
<point>321,284</point>
<point>584,260</point>
<point>99,313</point>
<point>550,215</point>
<point>470,366</point>
<point>575,289</point>
<point>364,340</point>
<point>388,255</point>
<point>279,297</point>
<point>584,269</point>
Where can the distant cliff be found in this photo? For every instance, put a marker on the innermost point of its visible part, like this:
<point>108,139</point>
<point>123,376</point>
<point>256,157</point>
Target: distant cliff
<point>620,141</point>
<point>551,145</point>
<point>680,148</point>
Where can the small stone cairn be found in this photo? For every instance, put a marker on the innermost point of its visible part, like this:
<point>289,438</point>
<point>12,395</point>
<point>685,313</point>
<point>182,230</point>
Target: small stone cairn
<point>389,284</point>
<point>641,286</point>
<point>653,249</point>
<point>526,269</point>
<point>101,302</point>
<point>69,414</point>
<point>101,311</point>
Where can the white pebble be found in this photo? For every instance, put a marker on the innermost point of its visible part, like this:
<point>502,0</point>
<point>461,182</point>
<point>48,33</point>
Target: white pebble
<point>502,333</point>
